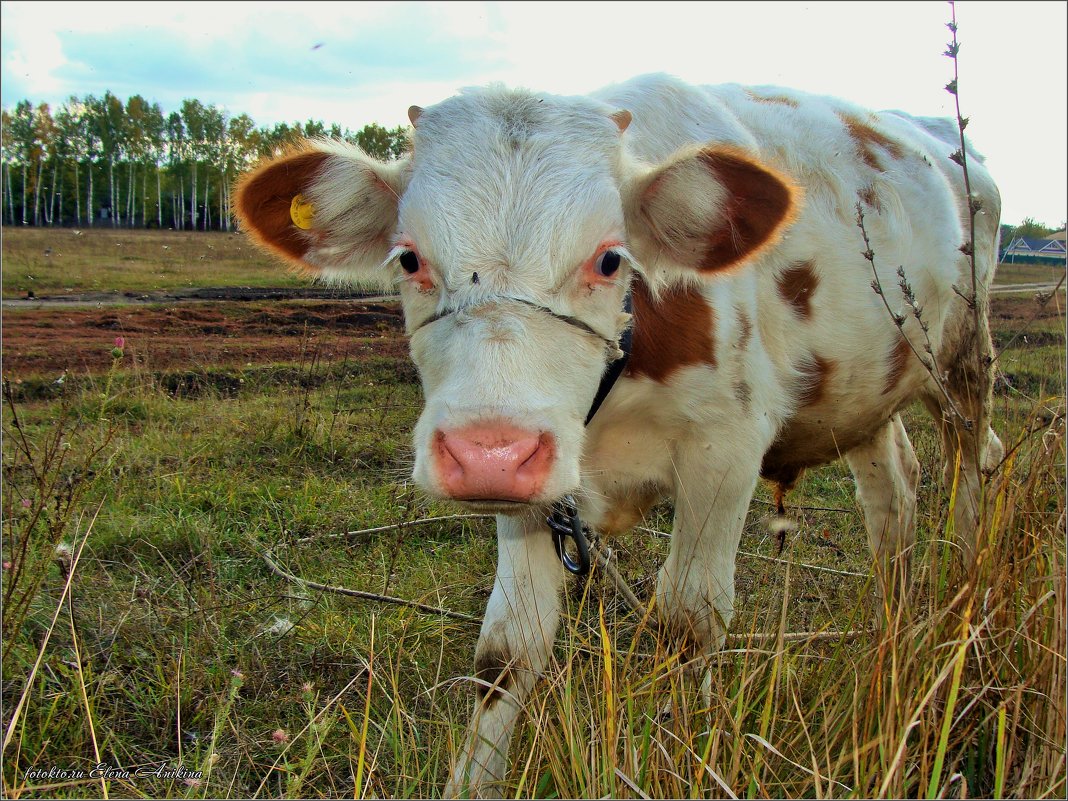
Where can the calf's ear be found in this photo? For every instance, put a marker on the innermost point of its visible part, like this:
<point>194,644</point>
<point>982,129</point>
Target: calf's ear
<point>325,208</point>
<point>708,209</point>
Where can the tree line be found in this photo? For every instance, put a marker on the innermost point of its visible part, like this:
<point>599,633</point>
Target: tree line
<point>98,161</point>
<point>1030,228</point>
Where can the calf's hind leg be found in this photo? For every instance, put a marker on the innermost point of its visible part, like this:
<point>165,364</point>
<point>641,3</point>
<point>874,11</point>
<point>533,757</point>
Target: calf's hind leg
<point>965,457</point>
<point>887,475</point>
<point>967,438</point>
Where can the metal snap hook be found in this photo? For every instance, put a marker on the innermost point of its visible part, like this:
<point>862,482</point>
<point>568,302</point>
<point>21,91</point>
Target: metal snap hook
<point>564,522</point>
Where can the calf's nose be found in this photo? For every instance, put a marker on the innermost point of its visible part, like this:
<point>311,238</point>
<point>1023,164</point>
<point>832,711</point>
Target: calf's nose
<point>492,461</point>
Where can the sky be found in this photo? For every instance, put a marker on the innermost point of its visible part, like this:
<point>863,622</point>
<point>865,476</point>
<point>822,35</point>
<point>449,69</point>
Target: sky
<point>360,62</point>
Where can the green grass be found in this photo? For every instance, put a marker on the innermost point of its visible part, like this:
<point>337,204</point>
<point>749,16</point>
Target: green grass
<point>192,652</point>
<point>59,261</point>
<point>50,261</point>
<point>1028,273</point>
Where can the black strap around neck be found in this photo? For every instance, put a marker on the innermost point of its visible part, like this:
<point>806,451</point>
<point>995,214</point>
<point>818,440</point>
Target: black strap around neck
<point>616,368</point>
<point>563,519</point>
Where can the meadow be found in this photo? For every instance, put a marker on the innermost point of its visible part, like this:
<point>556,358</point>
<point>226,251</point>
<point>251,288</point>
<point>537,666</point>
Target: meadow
<point>58,261</point>
<point>150,491</point>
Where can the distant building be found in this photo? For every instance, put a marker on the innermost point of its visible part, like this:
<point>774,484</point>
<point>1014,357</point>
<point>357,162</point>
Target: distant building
<point>1043,251</point>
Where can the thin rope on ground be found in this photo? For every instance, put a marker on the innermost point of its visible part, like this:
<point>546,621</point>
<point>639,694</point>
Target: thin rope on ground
<point>805,565</point>
<point>369,596</point>
<point>604,559</point>
<point>653,531</point>
<point>391,527</point>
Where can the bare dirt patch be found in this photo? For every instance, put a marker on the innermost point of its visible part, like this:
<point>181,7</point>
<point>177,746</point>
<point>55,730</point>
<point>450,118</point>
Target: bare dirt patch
<point>79,340</point>
<point>1009,310</point>
<point>38,342</point>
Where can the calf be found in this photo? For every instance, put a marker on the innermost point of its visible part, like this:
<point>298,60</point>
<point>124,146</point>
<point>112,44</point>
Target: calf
<point>523,226</point>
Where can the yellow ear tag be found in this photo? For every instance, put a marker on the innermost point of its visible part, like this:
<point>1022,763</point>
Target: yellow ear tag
<point>301,212</point>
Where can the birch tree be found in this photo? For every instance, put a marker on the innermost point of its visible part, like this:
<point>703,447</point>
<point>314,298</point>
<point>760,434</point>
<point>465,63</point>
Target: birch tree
<point>7,145</point>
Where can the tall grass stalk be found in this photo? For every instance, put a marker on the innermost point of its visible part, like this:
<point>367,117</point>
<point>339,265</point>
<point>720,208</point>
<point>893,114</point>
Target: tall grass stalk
<point>361,760</point>
<point>76,556</point>
<point>83,695</point>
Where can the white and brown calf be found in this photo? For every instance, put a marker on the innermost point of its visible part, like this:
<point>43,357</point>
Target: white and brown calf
<point>514,231</point>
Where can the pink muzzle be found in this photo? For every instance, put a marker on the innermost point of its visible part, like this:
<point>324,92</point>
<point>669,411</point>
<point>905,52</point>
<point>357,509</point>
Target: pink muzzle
<point>492,461</point>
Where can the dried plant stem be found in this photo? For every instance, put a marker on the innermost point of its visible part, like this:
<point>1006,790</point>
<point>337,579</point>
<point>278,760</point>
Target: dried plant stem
<point>391,526</point>
<point>899,319</point>
<point>961,158</point>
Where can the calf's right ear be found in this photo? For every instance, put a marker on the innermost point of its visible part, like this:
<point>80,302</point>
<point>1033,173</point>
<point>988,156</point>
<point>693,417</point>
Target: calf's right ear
<point>325,208</point>
<point>708,209</point>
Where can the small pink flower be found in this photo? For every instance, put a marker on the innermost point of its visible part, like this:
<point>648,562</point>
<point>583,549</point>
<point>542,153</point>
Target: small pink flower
<point>307,687</point>
<point>237,674</point>
<point>120,342</point>
<point>280,736</point>
<point>26,503</point>
<point>7,565</point>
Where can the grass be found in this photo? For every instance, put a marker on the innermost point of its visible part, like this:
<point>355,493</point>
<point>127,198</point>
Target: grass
<point>61,261</point>
<point>56,261</point>
<point>176,646</point>
<point>1028,273</point>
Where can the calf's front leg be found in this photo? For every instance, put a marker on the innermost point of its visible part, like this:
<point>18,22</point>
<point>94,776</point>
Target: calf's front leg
<point>513,649</point>
<point>695,588</point>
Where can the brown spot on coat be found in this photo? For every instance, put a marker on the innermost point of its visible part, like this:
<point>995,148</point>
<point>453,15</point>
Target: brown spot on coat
<point>745,329</point>
<point>805,441</point>
<point>779,99</point>
<point>867,139</point>
<point>493,665</point>
<point>264,197</point>
<point>798,447</point>
<point>815,377</point>
<point>743,393</point>
<point>898,361</point>
<point>670,332</point>
<point>796,284</point>
<point>869,196</point>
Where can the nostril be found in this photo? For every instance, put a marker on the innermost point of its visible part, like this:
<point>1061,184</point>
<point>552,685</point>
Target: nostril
<point>540,451</point>
<point>442,449</point>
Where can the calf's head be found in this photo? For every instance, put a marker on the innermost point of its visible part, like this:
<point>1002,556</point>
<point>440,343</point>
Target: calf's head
<point>512,231</point>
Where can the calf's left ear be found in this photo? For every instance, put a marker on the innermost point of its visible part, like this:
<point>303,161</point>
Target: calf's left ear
<point>325,208</point>
<point>708,209</point>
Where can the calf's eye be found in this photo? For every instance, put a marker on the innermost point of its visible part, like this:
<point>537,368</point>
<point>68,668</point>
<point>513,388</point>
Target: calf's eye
<point>608,263</point>
<point>409,262</point>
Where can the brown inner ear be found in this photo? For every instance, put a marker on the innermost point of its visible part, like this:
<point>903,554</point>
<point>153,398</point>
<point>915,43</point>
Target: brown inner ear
<point>758,202</point>
<point>264,198</point>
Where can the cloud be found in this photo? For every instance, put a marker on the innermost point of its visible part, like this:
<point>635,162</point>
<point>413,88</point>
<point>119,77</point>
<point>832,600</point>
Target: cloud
<point>354,63</point>
<point>29,64</point>
<point>306,50</point>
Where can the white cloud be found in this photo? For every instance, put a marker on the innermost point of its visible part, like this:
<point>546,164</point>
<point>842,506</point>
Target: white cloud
<point>31,65</point>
